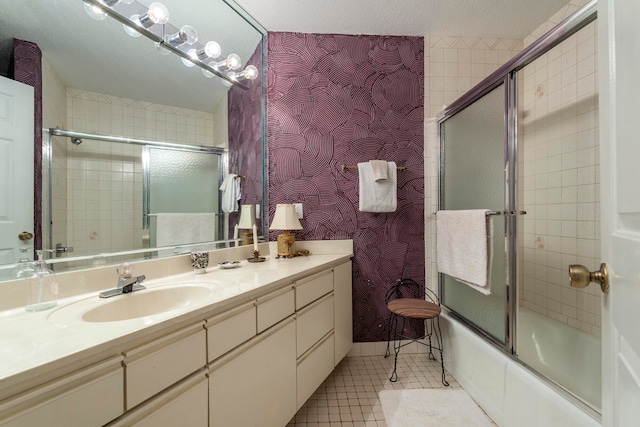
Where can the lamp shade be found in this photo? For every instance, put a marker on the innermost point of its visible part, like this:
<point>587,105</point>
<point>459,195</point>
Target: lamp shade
<point>285,218</point>
<point>247,216</point>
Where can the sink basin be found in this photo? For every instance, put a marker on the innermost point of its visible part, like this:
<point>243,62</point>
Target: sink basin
<point>134,305</point>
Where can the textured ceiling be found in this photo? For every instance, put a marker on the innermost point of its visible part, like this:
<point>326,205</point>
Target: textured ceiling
<point>467,18</point>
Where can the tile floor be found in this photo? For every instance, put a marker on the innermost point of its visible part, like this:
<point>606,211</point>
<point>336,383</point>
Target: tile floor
<point>349,396</point>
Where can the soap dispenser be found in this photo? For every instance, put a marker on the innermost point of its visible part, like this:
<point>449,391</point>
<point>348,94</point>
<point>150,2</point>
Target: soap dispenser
<point>42,289</point>
<point>25,268</point>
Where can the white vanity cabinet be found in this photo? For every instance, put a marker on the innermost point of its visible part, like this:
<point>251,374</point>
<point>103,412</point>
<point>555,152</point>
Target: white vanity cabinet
<point>184,404</point>
<point>253,361</point>
<point>91,396</point>
<point>343,311</point>
<point>151,368</point>
<point>255,385</point>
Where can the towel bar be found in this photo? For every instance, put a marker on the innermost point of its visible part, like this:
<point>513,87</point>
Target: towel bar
<point>345,167</point>
<point>505,213</point>
<point>155,214</point>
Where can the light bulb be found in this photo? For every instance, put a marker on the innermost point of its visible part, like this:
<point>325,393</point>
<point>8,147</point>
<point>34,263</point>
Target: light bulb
<point>187,34</point>
<point>95,12</point>
<point>212,49</point>
<point>157,14</point>
<point>250,72</point>
<point>135,19</point>
<point>193,53</point>
<point>233,62</point>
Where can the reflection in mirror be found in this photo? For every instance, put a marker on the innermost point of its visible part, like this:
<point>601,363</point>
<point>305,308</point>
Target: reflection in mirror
<point>98,193</point>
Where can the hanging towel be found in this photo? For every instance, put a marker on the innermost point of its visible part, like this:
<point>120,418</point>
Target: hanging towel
<point>230,188</point>
<point>378,196</point>
<point>379,169</point>
<point>464,247</point>
<point>182,228</point>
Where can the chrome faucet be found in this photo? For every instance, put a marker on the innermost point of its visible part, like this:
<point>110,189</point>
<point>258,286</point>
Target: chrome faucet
<point>127,283</point>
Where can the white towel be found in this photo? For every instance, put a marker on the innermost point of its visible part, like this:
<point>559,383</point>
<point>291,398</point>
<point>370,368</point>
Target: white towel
<point>379,169</point>
<point>378,196</point>
<point>465,247</point>
<point>182,228</point>
<point>230,188</point>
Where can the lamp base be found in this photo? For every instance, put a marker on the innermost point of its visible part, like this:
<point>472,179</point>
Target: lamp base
<point>246,238</point>
<point>286,244</point>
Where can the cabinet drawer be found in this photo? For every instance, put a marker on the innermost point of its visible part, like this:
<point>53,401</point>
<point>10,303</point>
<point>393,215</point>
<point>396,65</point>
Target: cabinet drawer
<point>313,322</point>
<point>313,369</point>
<point>274,307</point>
<point>153,367</point>
<point>313,287</point>
<point>255,385</point>
<point>186,403</point>
<point>72,400</point>
<point>228,330</point>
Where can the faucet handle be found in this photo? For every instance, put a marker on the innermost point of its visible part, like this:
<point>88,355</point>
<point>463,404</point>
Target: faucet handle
<point>125,270</point>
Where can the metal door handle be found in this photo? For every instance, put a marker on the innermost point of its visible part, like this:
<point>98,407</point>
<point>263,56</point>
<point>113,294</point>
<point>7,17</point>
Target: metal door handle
<point>25,235</point>
<point>580,277</point>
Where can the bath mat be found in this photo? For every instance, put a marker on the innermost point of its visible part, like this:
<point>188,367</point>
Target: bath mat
<point>431,407</point>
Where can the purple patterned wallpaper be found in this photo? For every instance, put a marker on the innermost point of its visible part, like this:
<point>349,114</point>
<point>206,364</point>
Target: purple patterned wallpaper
<point>341,99</point>
<point>27,69</point>
<point>245,136</point>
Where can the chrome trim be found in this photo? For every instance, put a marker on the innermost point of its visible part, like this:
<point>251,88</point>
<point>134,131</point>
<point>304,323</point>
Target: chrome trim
<point>511,201</point>
<point>582,17</point>
<point>135,141</point>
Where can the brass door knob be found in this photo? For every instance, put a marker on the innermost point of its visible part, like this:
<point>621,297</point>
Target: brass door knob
<point>25,235</point>
<point>580,277</point>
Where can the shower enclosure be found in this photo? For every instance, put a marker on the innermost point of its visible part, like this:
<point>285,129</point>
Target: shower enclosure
<point>524,143</point>
<point>104,191</point>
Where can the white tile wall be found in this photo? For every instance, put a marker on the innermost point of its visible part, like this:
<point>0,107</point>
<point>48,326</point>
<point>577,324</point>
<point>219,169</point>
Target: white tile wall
<point>559,177</point>
<point>105,179</point>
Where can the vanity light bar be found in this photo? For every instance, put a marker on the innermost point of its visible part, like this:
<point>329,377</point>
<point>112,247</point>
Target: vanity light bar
<point>159,40</point>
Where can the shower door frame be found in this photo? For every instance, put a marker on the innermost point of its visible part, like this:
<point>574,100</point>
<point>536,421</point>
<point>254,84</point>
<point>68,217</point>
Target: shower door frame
<point>146,184</point>
<point>507,75</point>
<point>49,133</point>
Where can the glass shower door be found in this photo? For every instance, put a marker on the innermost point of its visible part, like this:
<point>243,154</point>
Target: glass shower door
<point>174,184</point>
<point>472,176</point>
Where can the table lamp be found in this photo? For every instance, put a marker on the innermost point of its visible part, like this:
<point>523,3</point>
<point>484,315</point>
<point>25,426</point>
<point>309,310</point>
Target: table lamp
<point>285,219</point>
<point>246,223</point>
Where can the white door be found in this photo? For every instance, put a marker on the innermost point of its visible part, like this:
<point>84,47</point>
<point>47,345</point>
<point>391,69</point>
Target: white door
<point>16,167</point>
<point>619,68</point>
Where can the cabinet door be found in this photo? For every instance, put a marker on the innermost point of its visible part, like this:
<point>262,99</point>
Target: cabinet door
<point>314,322</point>
<point>313,368</point>
<point>153,367</point>
<point>343,310</point>
<point>185,404</point>
<point>255,385</point>
<point>230,329</point>
<point>91,396</point>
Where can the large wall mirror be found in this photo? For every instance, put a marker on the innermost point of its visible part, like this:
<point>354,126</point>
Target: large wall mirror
<point>131,130</point>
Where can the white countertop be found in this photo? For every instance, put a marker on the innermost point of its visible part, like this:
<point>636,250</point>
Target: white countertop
<point>33,343</point>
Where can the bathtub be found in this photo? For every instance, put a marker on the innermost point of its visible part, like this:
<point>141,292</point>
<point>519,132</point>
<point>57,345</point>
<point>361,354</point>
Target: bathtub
<point>506,390</point>
<point>567,356</point>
